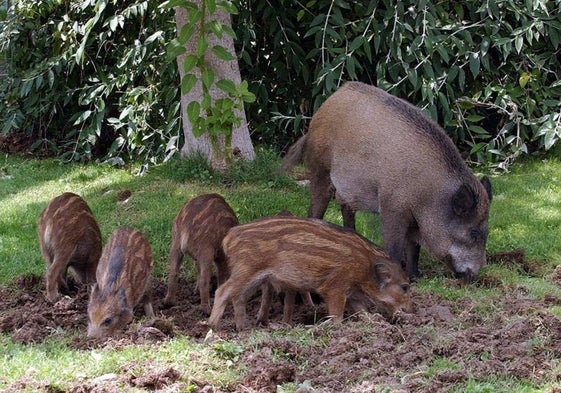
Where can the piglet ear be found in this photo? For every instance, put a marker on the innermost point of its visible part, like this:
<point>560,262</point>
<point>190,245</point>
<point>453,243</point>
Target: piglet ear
<point>127,315</point>
<point>464,201</point>
<point>382,273</point>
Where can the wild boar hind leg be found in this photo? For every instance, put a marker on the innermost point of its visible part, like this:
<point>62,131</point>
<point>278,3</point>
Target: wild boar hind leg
<point>56,278</point>
<point>204,266</point>
<point>221,299</point>
<point>321,192</point>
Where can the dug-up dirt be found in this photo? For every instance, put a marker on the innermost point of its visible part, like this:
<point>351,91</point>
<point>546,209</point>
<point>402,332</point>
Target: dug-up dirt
<point>513,336</point>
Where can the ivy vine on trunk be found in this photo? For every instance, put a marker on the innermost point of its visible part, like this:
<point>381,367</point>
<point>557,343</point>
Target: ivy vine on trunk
<point>215,110</point>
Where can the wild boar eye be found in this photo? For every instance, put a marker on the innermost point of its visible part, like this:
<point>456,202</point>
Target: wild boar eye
<point>107,322</point>
<point>475,234</point>
<point>405,287</point>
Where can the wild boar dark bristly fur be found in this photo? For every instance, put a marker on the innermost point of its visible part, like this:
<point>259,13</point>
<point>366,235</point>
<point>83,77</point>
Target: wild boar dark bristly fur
<point>69,238</point>
<point>124,278</point>
<point>299,254</point>
<point>198,231</point>
<point>376,152</point>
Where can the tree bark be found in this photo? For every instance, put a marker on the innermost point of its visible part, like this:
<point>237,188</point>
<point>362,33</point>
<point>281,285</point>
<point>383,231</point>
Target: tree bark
<point>241,141</point>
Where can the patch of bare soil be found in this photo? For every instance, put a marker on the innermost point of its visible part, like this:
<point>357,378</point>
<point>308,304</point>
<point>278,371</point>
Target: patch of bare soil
<point>15,143</point>
<point>513,336</point>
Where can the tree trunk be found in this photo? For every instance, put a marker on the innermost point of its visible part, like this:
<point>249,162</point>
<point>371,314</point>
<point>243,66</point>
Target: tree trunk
<point>241,141</point>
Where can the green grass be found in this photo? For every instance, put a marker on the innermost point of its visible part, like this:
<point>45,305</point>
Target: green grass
<point>53,364</point>
<point>525,213</point>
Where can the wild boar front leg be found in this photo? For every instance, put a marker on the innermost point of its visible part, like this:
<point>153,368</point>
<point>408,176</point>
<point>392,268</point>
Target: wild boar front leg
<point>175,258</point>
<point>412,259</point>
<point>289,300</point>
<point>395,230</point>
<point>148,309</point>
<point>89,272</point>
<point>348,216</point>
<point>335,302</point>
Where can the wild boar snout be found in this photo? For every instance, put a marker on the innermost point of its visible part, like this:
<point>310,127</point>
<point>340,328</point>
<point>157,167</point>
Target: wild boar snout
<point>123,276</point>
<point>103,325</point>
<point>401,301</point>
<point>465,265</point>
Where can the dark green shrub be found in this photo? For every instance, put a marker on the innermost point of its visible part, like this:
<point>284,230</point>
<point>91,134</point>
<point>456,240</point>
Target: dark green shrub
<point>488,72</point>
<point>90,78</point>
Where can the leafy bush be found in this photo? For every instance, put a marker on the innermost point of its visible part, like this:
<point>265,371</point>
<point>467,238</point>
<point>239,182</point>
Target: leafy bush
<point>90,78</point>
<point>483,70</point>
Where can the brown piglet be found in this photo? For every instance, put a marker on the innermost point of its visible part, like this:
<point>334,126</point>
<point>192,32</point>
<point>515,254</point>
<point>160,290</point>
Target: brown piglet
<point>298,254</point>
<point>124,277</point>
<point>69,238</point>
<point>198,231</point>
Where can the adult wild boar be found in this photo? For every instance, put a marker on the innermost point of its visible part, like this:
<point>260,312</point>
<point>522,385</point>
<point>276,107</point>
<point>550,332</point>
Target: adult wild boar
<point>70,238</point>
<point>198,230</point>
<point>376,152</point>
<point>300,254</point>
<point>124,277</point>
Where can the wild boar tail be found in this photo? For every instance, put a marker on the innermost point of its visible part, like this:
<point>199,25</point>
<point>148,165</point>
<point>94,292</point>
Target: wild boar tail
<point>294,155</point>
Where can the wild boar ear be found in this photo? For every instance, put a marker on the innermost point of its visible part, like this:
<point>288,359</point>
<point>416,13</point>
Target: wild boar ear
<point>464,201</point>
<point>382,273</point>
<point>487,185</point>
<point>127,316</point>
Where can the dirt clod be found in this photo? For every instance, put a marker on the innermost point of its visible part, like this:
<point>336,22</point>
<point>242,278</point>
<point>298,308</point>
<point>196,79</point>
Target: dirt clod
<point>440,346</point>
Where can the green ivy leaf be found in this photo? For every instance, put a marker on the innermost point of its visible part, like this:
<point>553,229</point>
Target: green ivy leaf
<point>187,83</point>
<point>193,111</point>
<point>220,52</point>
<point>207,77</point>
<point>227,6</point>
<point>202,46</point>
<point>186,33</point>
<point>174,49</point>
<point>227,86</point>
<point>177,3</point>
<point>190,63</point>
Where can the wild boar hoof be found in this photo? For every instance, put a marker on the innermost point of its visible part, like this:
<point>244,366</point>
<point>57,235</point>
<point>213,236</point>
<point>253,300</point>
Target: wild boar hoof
<point>52,297</point>
<point>465,277</point>
<point>169,302</point>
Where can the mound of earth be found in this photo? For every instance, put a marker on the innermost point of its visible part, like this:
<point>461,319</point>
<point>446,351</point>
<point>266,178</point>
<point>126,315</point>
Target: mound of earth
<point>514,336</point>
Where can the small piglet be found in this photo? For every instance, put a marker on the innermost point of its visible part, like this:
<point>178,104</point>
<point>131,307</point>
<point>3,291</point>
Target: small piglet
<point>298,254</point>
<point>124,276</point>
<point>70,238</point>
<point>198,231</point>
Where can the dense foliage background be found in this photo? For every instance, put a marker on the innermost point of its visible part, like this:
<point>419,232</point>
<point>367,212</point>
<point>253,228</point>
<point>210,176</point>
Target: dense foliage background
<point>89,78</point>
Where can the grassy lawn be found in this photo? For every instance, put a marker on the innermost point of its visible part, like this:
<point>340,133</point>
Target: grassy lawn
<point>525,216</point>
